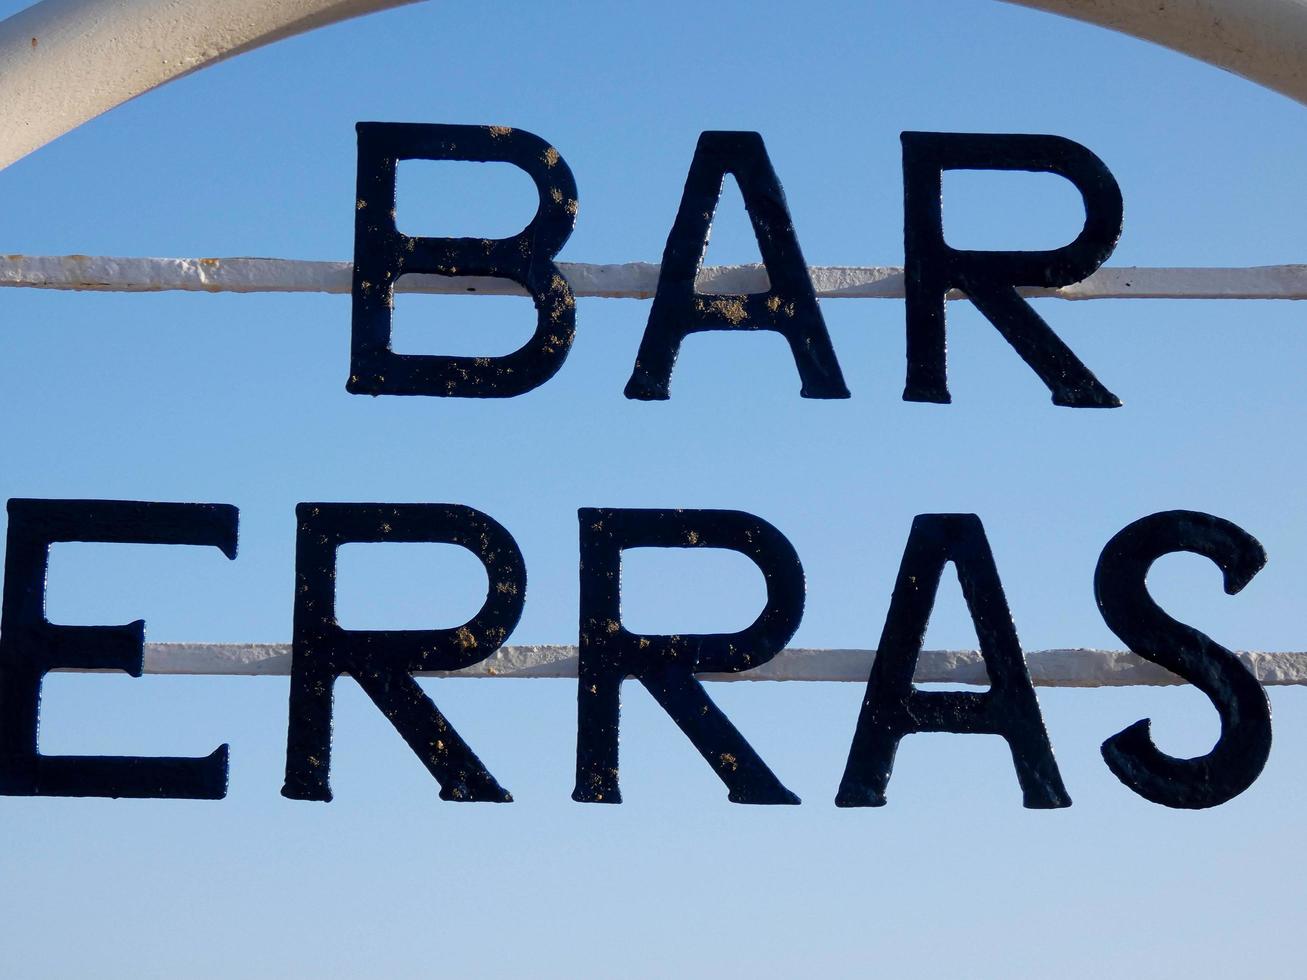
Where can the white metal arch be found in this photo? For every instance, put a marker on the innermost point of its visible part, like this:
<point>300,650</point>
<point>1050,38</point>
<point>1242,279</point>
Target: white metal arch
<point>63,62</point>
<point>1265,41</point>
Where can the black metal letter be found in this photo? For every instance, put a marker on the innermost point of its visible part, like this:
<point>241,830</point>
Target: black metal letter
<point>894,708</point>
<point>789,307</point>
<point>30,646</point>
<point>382,661</point>
<point>666,664</point>
<point>990,279</point>
<point>382,254</point>
<point>1237,759</point>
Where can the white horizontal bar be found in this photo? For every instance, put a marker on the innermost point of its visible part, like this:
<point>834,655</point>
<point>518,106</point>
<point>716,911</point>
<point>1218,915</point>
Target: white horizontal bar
<point>631,280</point>
<point>1048,668</point>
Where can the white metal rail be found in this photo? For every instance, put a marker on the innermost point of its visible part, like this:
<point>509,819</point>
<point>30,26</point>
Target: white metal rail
<point>632,280</point>
<point>1048,668</point>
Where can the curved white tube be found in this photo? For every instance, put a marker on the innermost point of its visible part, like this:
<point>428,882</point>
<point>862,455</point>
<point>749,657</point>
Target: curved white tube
<point>1265,41</point>
<point>63,62</point>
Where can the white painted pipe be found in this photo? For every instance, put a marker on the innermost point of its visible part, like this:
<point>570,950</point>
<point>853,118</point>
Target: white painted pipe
<point>1048,668</point>
<point>1262,40</point>
<point>63,62</point>
<point>631,280</point>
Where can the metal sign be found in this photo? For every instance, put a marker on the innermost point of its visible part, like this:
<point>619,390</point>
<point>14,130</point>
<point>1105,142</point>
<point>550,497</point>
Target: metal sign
<point>670,667</point>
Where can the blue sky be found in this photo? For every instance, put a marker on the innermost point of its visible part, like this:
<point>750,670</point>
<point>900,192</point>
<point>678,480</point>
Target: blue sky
<point>241,399</point>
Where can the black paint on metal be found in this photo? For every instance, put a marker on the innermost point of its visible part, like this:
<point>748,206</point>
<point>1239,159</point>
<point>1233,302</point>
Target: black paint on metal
<point>666,664</point>
<point>382,661</point>
<point>31,646</point>
<point>990,278</point>
<point>893,708</point>
<point>382,254</point>
<point>1130,612</point>
<point>789,307</point>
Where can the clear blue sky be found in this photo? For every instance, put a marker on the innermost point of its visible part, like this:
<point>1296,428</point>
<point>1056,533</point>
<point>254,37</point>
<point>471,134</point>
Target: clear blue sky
<point>241,399</point>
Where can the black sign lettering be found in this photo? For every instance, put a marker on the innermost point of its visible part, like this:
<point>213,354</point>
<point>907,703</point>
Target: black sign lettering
<point>990,279</point>
<point>30,646</point>
<point>894,708</point>
<point>789,307</point>
<point>1130,612</point>
<point>669,666</point>
<point>382,254</point>
<point>666,664</point>
<point>382,661</point>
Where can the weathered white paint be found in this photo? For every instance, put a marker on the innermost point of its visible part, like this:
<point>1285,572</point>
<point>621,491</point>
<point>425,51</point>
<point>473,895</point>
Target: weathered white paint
<point>1048,668</point>
<point>1262,40</point>
<point>632,280</point>
<point>63,62</point>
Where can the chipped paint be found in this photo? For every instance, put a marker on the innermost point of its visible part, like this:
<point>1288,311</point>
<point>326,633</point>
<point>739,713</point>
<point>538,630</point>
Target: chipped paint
<point>631,280</point>
<point>1077,668</point>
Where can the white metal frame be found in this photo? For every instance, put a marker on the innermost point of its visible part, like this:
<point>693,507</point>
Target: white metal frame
<point>63,62</point>
<point>1262,40</point>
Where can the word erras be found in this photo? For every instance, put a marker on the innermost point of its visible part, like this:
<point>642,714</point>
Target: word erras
<point>383,661</point>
